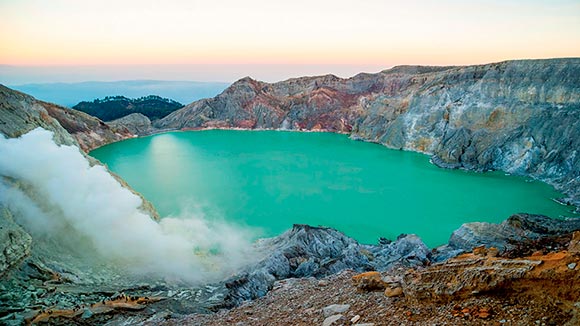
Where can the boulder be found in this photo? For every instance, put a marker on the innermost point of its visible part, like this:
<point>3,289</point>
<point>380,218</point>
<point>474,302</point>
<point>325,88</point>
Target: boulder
<point>135,123</point>
<point>369,281</point>
<point>507,235</point>
<point>335,309</point>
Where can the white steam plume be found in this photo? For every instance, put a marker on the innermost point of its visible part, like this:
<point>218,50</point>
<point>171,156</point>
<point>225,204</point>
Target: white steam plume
<point>90,202</point>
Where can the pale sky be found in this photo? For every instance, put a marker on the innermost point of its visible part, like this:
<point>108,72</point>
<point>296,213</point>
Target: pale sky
<point>298,36</point>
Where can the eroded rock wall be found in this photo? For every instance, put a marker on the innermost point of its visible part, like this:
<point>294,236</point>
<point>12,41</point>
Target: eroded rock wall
<point>21,113</point>
<point>14,241</point>
<point>522,117</point>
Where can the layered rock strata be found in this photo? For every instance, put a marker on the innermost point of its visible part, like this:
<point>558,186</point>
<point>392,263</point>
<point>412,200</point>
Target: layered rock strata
<point>522,117</point>
<point>20,113</point>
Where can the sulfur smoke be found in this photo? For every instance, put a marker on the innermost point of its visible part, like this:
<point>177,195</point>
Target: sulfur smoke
<point>66,198</point>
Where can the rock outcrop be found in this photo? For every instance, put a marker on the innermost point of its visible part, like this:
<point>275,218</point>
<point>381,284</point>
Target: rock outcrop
<point>135,123</point>
<point>306,251</point>
<point>510,233</point>
<point>20,113</point>
<point>14,241</point>
<point>303,252</point>
<point>552,279</point>
<point>522,117</point>
<point>479,288</point>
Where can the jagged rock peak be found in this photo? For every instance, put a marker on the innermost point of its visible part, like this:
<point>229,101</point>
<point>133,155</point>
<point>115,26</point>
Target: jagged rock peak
<point>243,82</point>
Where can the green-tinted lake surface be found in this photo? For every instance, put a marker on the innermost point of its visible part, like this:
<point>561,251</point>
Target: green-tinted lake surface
<point>272,179</point>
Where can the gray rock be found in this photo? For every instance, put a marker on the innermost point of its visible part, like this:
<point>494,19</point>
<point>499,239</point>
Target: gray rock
<point>572,265</point>
<point>335,309</point>
<point>135,123</point>
<point>20,113</point>
<point>516,228</point>
<point>15,243</point>
<point>520,116</point>
<point>408,250</point>
<point>445,252</point>
<point>309,267</point>
<point>331,320</point>
<point>325,251</point>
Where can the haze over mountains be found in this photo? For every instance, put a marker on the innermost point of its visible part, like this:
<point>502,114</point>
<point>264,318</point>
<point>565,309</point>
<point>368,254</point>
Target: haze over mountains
<point>69,94</point>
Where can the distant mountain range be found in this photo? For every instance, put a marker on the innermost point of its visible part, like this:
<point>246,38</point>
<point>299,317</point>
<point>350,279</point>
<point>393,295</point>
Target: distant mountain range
<point>69,94</point>
<point>114,107</point>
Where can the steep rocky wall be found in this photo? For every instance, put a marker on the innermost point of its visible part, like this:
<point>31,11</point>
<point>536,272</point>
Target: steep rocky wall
<point>21,113</point>
<point>14,241</point>
<point>522,116</point>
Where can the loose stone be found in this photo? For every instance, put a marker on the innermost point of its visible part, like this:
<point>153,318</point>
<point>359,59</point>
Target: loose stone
<point>331,320</point>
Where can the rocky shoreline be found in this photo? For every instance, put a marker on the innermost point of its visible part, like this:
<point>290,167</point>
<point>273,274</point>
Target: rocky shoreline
<point>34,291</point>
<point>521,116</point>
<point>511,294</point>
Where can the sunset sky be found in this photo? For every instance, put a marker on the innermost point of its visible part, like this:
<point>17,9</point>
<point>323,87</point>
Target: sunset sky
<point>72,40</point>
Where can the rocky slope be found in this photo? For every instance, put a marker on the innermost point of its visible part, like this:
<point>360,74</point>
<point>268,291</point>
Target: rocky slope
<point>14,242</point>
<point>480,288</point>
<point>522,117</point>
<point>136,123</point>
<point>305,254</point>
<point>20,113</point>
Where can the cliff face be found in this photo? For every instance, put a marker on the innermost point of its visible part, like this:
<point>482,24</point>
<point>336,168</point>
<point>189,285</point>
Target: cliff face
<point>20,113</point>
<point>522,117</point>
<point>14,241</point>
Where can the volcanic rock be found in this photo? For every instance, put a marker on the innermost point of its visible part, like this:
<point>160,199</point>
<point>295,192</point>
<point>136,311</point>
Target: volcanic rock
<point>506,235</point>
<point>135,123</point>
<point>520,116</point>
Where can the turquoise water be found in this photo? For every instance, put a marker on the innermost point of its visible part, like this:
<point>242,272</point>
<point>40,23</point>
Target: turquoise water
<point>271,179</point>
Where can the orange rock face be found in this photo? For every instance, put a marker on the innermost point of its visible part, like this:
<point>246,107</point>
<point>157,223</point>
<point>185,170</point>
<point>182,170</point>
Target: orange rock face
<point>550,277</point>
